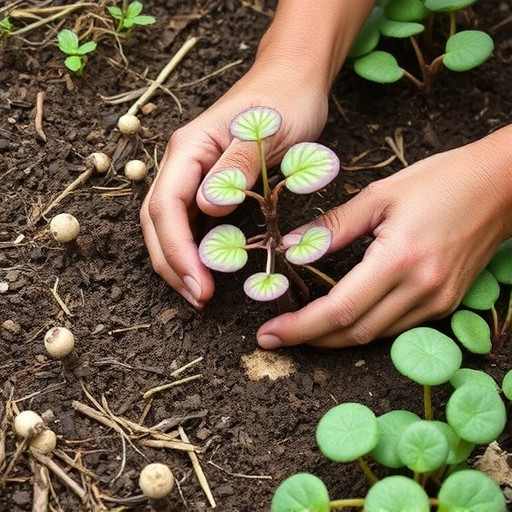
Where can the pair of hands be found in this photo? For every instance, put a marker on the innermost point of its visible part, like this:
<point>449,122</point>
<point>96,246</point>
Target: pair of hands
<point>435,224</point>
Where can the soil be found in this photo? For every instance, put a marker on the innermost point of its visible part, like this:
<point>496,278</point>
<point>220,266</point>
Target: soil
<point>253,414</point>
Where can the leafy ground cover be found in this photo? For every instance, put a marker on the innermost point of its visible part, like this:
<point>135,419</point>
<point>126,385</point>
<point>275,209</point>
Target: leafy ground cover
<point>250,416</point>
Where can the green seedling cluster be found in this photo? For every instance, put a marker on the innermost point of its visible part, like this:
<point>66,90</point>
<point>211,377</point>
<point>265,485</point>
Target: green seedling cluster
<point>306,167</point>
<point>130,16</point>
<point>426,458</point>
<point>69,44</point>
<point>415,20</point>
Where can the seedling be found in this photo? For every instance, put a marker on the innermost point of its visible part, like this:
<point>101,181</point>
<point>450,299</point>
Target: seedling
<point>129,17</point>
<point>69,44</point>
<point>6,27</point>
<point>429,454</point>
<point>408,19</point>
<point>306,167</point>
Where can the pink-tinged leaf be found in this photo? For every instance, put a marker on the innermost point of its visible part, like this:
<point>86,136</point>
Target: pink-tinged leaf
<point>263,287</point>
<point>225,187</point>
<point>313,244</point>
<point>255,123</point>
<point>308,167</point>
<point>223,249</point>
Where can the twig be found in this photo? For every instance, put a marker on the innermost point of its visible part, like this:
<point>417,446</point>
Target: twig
<point>184,446</point>
<point>397,145</point>
<point>39,116</point>
<point>131,328</point>
<point>163,387</point>
<point>56,296</point>
<point>175,373</point>
<point>41,487</point>
<point>210,75</point>
<point>240,475</point>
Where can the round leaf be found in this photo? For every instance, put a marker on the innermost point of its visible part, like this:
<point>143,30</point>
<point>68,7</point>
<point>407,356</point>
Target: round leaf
<point>483,293</point>
<point>222,249</point>
<point>379,66</point>
<point>396,494</point>
<point>225,187</point>
<point>346,432</point>
<point>308,167</point>
<point>467,50</point>
<point>472,331</point>
<point>73,63</point>
<point>426,356</point>
<point>501,263</point>
<point>400,29</point>
<point>506,385</point>
<point>459,449</point>
<point>368,37</point>
<point>67,41</point>
<point>469,376</point>
<point>87,47</point>
<point>476,413</point>
<point>304,492</point>
<point>255,123</point>
<point>313,244</point>
<point>263,287</point>
<point>423,447</point>
<point>391,425</point>
<point>470,490</point>
<point>406,10</point>
<point>447,5</point>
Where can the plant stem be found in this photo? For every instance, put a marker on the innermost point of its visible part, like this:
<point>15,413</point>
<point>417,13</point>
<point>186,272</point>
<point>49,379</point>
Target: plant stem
<point>370,475</point>
<point>352,502</point>
<point>264,174</point>
<point>495,323</point>
<point>453,23</point>
<point>321,275</point>
<point>270,256</point>
<point>427,400</point>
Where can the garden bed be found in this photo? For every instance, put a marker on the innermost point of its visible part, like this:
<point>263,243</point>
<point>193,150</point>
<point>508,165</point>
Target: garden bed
<point>133,331</point>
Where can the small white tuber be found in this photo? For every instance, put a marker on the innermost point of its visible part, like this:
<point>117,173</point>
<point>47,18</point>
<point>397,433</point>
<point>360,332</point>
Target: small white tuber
<point>128,124</point>
<point>28,423</point>
<point>45,441</point>
<point>100,162</point>
<point>64,227</point>
<point>156,481</point>
<point>59,342</point>
<point>136,170</point>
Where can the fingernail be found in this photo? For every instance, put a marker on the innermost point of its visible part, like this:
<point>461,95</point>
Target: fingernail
<point>193,287</point>
<point>269,341</point>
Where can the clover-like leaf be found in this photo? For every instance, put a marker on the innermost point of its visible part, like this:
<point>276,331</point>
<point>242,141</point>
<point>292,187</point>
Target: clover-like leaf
<point>476,413</point>
<point>263,287</point>
<point>225,187</point>
<point>506,385</point>
<point>470,376</point>
<point>406,10</point>
<point>302,491</point>
<point>396,493</point>
<point>368,37</point>
<point>483,292</point>
<point>400,29</point>
<point>501,263</point>
<point>467,49</point>
<point>470,490</point>
<point>426,356</point>
<point>346,432</point>
<point>67,41</point>
<point>447,5</point>
<point>308,167</point>
<point>459,449</point>
<point>223,249</point>
<point>313,244</point>
<point>255,123</point>
<point>87,47</point>
<point>73,63</point>
<point>379,66</point>
<point>472,331</point>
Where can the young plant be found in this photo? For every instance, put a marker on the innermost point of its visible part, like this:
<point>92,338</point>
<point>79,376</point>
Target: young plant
<point>306,167</point>
<point>6,27</point>
<point>69,44</point>
<point>408,19</point>
<point>130,16</point>
<point>429,455</point>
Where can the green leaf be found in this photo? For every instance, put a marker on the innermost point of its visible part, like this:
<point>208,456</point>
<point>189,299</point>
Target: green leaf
<point>472,331</point>
<point>506,385</point>
<point>469,490</point>
<point>423,447</point>
<point>88,47</point>
<point>406,10</point>
<point>368,37</point>
<point>379,66</point>
<point>426,356</point>
<point>115,12</point>
<point>264,287</point>
<point>400,29</point>
<point>346,432</point>
<point>73,63</point>
<point>308,167</point>
<point>313,244</point>
<point>501,263</point>
<point>469,376</point>
<point>396,493</point>
<point>476,413</point>
<point>391,425</point>
<point>301,492</point>
<point>467,50</point>
<point>223,249</point>
<point>67,41</point>
<point>225,187</point>
<point>448,5</point>
<point>459,449</point>
<point>483,293</point>
<point>133,9</point>
<point>255,123</point>
<point>143,20</point>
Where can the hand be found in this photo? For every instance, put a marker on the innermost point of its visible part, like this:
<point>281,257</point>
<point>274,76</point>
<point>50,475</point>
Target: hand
<point>435,224</point>
<point>171,213</point>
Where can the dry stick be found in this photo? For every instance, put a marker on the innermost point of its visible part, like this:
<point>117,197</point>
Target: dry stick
<point>163,387</point>
<point>39,116</point>
<point>41,487</point>
<point>170,444</point>
<point>162,77</point>
<point>240,475</point>
<point>199,470</point>
<point>56,296</point>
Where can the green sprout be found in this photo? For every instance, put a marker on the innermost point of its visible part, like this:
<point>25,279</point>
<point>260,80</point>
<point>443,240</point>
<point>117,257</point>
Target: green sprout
<point>409,19</point>
<point>130,16</point>
<point>306,167</point>
<point>69,44</point>
<point>6,27</point>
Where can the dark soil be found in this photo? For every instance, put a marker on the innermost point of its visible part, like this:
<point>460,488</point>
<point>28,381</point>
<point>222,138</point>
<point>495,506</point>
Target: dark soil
<point>132,331</point>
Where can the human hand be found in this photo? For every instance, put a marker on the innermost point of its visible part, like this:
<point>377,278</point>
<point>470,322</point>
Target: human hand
<point>171,213</point>
<point>435,224</point>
